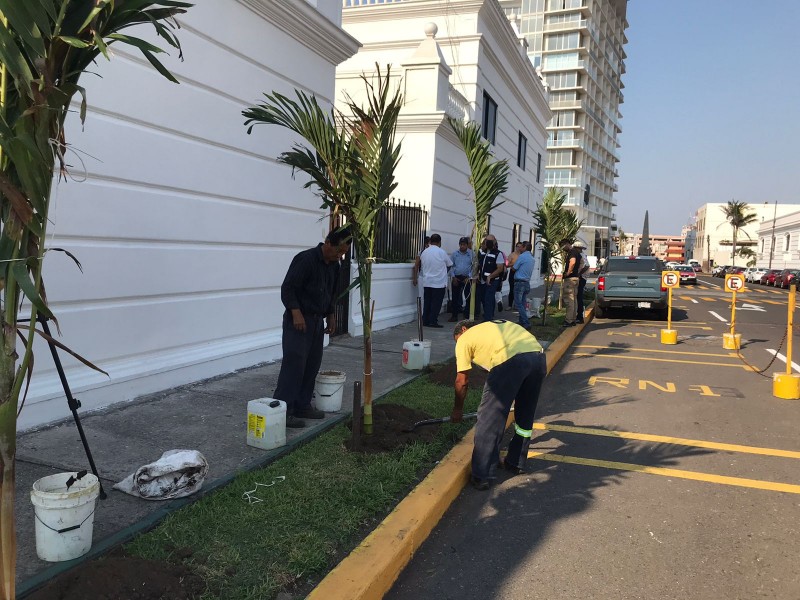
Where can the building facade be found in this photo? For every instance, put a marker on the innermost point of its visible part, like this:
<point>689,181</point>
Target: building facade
<point>779,242</point>
<point>183,223</point>
<point>713,243</point>
<point>463,60</point>
<point>579,46</point>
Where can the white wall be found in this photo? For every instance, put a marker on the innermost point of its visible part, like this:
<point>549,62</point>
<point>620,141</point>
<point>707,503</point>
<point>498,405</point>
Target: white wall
<point>185,224</point>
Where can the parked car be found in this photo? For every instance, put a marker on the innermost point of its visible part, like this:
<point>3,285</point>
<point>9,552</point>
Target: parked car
<point>755,274</point>
<point>687,274</point>
<point>632,282</point>
<point>769,278</point>
<point>719,270</point>
<point>787,278</point>
<point>695,265</point>
<point>734,270</point>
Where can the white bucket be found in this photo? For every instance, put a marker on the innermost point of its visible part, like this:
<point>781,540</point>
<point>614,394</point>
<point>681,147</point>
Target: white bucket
<point>266,423</point>
<point>64,517</point>
<point>426,351</point>
<point>328,391</point>
<point>534,307</point>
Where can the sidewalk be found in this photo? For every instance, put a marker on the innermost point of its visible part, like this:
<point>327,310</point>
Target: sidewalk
<point>209,416</point>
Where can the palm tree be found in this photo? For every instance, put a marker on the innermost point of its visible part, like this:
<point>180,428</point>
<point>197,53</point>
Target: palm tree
<point>623,239</point>
<point>488,178</point>
<point>351,161</point>
<point>45,47</point>
<point>554,222</point>
<point>738,216</point>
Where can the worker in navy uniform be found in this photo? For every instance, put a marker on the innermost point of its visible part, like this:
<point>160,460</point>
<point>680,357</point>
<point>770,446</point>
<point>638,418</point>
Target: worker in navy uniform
<point>517,368</point>
<point>308,293</point>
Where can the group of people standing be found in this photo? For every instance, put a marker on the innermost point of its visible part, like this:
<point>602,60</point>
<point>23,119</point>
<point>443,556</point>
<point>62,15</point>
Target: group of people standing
<point>434,267</point>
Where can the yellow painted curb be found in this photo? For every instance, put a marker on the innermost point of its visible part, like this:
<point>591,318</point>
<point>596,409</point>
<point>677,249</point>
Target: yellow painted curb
<point>370,570</point>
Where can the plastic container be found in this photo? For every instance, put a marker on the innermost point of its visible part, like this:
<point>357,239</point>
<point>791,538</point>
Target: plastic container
<point>64,516</point>
<point>266,423</point>
<point>426,352</point>
<point>413,355</point>
<point>328,389</point>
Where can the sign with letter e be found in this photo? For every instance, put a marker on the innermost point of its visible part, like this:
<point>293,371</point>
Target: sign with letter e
<point>670,279</point>
<point>734,282</point>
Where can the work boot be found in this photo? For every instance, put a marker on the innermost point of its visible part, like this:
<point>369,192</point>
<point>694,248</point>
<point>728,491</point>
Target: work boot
<point>479,484</point>
<point>309,412</point>
<point>293,422</point>
<point>512,468</point>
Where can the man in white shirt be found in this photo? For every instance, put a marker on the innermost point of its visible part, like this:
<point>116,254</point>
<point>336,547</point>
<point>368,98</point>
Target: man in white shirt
<point>434,262</point>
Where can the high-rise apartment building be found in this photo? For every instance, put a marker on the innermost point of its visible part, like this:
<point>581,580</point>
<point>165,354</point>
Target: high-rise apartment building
<point>579,45</point>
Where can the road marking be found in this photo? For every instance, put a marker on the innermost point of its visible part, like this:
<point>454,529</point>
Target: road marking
<point>665,439</point>
<point>782,358</point>
<point>720,318</point>
<point>775,302</point>
<point>666,472</point>
<point>711,284</point>
<point>674,325</point>
<point>707,299</point>
<point>669,360</point>
<point>728,355</point>
<point>689,298</point>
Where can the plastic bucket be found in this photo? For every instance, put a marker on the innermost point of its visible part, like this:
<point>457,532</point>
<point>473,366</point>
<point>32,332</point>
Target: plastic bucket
<point>64,517</point>
<point>426,351</point>
<point>328,390</point>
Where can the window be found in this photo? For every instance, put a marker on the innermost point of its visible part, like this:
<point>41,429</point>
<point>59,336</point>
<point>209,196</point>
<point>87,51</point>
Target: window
<point>516,236</point>
<point>786,239</point>
<point>522,150</point>
<point>538,167</point>
<point>762,245</point>
<point>489,118</point>
<point>488,223</point>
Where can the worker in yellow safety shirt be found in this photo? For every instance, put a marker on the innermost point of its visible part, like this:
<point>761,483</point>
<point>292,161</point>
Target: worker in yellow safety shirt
<point>517,368</point>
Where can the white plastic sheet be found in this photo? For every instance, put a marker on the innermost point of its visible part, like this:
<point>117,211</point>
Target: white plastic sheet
<point>176,474</point>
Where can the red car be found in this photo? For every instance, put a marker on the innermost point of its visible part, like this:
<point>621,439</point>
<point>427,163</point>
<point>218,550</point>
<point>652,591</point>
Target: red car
<point>687,274</point>
<point>769,277</point>
<point>786,278</point>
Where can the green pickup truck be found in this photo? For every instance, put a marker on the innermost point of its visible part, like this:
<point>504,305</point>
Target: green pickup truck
<point>631,282</point>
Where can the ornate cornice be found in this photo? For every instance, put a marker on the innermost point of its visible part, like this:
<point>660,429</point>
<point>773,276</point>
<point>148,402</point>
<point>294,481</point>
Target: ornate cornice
<point>306,25</point>
<point>415,8</point>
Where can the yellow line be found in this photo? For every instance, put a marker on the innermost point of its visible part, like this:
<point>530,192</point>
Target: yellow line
<point>674,325</point>
<point>775,302</point>
<point>663,439</point>
<point>728,355</point>
<point>665,472</point>
<point>707,299</point>
<point>669,360</point>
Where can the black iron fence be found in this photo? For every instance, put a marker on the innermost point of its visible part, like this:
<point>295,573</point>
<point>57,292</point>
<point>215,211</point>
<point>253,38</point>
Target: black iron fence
<point>400,232</point>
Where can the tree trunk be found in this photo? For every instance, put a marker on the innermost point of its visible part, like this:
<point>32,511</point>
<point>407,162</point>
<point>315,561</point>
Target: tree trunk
<point>733,252</point>
<point>8,450</point>
<point>367,383</point>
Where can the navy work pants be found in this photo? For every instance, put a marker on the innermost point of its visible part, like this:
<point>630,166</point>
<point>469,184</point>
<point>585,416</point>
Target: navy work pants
<point>519,378</point>
<point>579,300</point>
<point>432,305</point>
<point>302,357</point>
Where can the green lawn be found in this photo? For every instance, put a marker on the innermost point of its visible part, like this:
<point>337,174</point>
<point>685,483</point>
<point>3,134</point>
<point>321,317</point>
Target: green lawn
<point>330,499</point>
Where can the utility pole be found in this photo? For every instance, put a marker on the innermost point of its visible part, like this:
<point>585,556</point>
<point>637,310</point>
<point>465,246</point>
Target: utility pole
<point>708,251</point>
<point>772,243</point>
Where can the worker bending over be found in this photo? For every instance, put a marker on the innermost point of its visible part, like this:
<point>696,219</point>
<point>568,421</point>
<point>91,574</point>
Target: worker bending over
<point>517,367</point>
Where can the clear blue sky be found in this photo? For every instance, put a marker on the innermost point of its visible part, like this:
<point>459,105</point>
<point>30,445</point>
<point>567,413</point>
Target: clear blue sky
<point>712,108</point>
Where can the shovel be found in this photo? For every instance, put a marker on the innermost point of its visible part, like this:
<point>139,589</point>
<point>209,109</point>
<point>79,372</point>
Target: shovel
<point>437,421</point>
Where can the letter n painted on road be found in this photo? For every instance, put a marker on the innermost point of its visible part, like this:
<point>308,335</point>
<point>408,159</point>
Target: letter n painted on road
<point>643,383</point>
<point>613,381</point>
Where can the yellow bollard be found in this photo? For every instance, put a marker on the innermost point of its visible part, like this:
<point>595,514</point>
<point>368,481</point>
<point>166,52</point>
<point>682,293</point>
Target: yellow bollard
<point>732,340</point>
<point>787,385</point>
<point>669,336</point>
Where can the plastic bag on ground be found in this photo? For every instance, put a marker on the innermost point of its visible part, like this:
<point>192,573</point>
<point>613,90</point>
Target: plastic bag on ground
<point>176,474</point>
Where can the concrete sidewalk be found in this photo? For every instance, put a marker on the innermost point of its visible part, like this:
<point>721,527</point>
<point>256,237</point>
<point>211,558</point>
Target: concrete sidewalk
<point>209,416</point>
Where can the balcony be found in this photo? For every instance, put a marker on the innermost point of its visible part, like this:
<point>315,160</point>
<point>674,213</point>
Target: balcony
<point>573,104</point>
<point>357,3</point>
<point>567,143</point>
<point>561,181</point>
<point>567,25</point>
<point>457,105</point>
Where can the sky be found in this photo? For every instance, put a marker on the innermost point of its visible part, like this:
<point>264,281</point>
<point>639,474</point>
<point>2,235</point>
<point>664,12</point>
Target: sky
<point>712,108</point>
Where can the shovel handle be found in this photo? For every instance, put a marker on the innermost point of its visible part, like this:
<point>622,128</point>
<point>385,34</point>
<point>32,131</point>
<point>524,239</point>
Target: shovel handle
<point>440,420</point>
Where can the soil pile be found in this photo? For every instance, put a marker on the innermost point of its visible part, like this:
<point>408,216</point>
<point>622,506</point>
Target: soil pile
<point>389,425</point>
<point>446,375</point>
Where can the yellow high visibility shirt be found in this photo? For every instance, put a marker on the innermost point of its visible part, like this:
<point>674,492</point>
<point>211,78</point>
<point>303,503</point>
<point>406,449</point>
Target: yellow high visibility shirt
<point>493,343</point>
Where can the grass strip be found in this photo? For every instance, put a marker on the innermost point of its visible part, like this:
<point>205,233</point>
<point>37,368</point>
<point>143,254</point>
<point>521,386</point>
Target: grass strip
<point>329,500</point>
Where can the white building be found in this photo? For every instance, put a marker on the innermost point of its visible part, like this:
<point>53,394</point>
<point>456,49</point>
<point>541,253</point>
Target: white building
<point>779,241</point>
<point>184,224</point>
<point>579,45</point>
<point>461,59</point>
<point>714,236</point>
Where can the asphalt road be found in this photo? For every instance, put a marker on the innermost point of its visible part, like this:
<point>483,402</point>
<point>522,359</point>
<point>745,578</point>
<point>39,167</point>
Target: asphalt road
<point>640,514</point>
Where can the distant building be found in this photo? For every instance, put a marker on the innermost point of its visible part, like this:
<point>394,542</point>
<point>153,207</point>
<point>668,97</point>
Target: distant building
<point>689,235</point>
<point>779,242</point>
<point>579,45</point>
<point>714,237</point>
<point>664,247</point>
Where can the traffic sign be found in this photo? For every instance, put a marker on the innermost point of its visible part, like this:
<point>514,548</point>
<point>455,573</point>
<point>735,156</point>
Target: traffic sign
<point>670,279</point>
<point>734,282</point>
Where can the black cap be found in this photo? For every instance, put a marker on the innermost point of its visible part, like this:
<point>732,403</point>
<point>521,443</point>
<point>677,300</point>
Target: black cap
<point>464,240</point>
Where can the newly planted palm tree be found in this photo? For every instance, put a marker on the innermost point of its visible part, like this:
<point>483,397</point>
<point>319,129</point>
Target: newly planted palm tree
<point>351,159</point>
<point>554,222</point>
<point>738,215</point>
<point>488,178</point>
<point>45,47</point>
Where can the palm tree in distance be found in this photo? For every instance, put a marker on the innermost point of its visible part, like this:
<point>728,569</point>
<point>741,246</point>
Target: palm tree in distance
<point>738,215</point>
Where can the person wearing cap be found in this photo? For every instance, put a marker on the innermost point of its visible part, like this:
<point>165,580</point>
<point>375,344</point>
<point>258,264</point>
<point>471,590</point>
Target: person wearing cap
<point>461,271</point>
<point>583,269</point>
<point>518,249</point>
<point>569,281</point>
<point>517,368</point>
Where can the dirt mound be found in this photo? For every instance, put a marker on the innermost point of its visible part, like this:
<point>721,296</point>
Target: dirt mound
<point>390,422</point>
<point>123,578</point>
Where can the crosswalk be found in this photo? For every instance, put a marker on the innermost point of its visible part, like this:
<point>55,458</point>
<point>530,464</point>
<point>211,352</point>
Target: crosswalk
<point>749,288</point>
